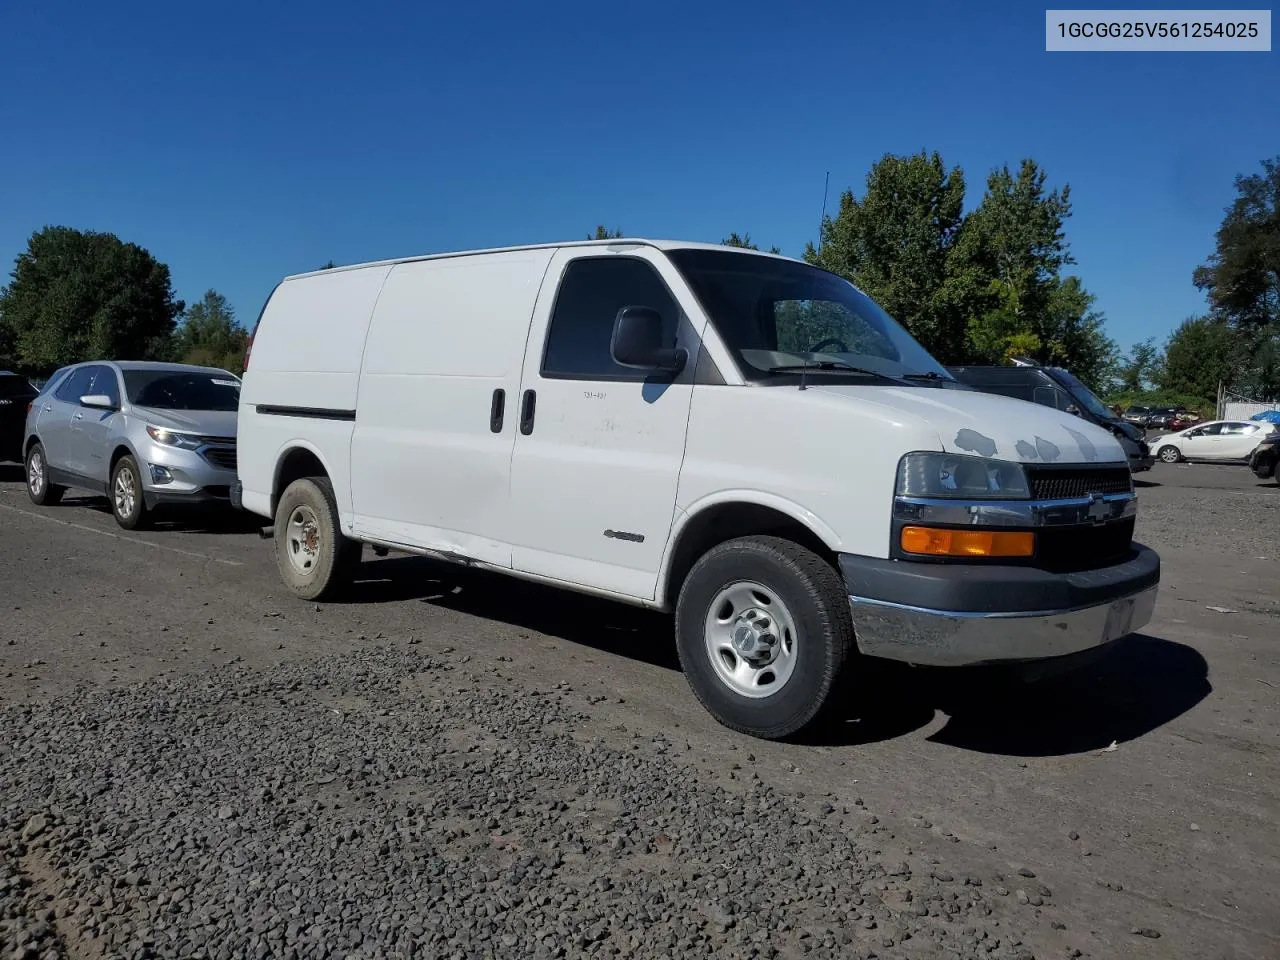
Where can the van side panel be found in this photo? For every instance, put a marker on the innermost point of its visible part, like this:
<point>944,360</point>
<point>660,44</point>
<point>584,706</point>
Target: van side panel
<point>301,386</point>
<point>431,454</point>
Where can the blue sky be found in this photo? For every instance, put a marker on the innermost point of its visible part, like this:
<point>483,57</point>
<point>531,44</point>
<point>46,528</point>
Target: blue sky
<point>240,142</point>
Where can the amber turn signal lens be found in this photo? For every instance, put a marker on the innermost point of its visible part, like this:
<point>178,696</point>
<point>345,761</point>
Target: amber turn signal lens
<point>932,542</point>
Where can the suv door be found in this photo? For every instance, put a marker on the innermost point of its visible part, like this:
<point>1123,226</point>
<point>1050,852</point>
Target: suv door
<point>54,425</point>
<point>90,428</point>
<point>599,447</point>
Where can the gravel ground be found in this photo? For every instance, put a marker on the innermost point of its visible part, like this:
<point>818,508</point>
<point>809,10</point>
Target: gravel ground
<point>191,765</point>
<point>388,803</point>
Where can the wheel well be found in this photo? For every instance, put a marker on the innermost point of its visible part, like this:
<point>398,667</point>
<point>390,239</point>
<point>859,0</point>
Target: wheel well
<point>31,442</point>
<point>295,465</point>
<point>728,521</point>
<point>116,454</point>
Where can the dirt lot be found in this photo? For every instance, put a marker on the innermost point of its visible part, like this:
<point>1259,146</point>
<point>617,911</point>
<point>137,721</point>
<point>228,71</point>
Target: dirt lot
<point>192,764</point>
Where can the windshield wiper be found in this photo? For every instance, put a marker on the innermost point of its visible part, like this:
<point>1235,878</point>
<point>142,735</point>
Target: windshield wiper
<point>925,376</point>
<point>838,365</point>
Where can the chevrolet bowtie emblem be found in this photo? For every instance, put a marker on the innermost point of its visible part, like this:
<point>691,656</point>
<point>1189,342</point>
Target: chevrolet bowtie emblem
<point>1099,510</point>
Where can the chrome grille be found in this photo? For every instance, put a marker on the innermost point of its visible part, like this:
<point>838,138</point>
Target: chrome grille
<point>1066,483</point>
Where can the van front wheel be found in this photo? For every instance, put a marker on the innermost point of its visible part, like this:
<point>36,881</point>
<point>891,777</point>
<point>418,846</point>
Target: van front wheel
<point>763,632</point>
<point>314,558</point>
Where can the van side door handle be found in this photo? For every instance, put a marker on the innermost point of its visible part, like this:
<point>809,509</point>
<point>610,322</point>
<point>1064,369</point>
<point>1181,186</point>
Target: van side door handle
<point>497,409</point>
<point>526,411</point>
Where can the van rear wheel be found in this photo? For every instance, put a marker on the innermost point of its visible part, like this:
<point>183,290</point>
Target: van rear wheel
<point>764,634</point>
<point>314,558</point>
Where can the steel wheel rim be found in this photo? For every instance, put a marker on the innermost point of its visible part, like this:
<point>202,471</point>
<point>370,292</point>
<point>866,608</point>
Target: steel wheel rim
<point>751,639</point>
<point>126,492</point>
<point>35,473</point>
<point>302,539</point>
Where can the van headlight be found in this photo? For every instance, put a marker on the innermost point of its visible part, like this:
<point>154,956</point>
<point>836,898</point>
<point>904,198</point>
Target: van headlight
<point>945,475</point>
<point>169,438</point>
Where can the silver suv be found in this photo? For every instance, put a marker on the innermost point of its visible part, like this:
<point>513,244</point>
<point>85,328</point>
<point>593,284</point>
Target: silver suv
<point>144,434</point>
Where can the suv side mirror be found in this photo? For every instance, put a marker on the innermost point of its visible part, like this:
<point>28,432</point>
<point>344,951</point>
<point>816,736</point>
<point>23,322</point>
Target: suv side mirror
<point>98,401</point>
<point>637,342</point>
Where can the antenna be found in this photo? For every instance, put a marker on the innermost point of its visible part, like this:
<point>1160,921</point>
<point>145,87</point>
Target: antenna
<point>826,183</point>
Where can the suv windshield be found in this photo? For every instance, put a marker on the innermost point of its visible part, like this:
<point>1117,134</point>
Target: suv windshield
<point>1085,397</point>
<point>182,390</point>
<point>779,315</point>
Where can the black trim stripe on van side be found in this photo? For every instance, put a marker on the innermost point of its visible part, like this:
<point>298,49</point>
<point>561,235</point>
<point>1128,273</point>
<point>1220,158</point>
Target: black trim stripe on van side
<point>311,413</point>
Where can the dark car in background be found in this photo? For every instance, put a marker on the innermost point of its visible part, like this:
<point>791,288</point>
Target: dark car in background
<point>1058,388</point>
<point>16,394</point>
<point>1265,458</point>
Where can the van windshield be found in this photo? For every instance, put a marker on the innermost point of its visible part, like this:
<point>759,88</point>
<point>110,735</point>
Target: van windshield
<point>1083,395</point>
<point>182,390</point>
<point>777,316</point>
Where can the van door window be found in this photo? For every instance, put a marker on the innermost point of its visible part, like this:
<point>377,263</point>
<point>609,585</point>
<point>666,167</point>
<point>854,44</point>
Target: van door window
<point>594,289</point>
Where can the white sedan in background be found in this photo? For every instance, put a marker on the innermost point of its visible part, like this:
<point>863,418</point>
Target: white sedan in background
<point>1215,440</point>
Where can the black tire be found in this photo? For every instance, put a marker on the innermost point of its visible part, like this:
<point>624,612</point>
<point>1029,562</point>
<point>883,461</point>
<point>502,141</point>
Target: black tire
<point>323,574</point>
<point>817,604</point>
<point>41,491</point>
<point>1169,453</point>
<point>128,505</point>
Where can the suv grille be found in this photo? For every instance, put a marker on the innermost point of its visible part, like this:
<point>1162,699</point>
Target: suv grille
<point>224,457</point>
<point>1048,483</point>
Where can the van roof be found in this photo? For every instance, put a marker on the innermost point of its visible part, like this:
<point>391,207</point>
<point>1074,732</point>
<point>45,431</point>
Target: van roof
<point>617,242</point>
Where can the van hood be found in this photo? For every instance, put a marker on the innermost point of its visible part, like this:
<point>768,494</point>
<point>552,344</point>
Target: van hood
<point>208,423</point>
<point>989,425</point>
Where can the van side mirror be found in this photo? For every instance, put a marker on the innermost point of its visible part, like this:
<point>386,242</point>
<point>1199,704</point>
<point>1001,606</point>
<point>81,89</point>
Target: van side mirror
<point>637,342</point>
<point>97,401</point>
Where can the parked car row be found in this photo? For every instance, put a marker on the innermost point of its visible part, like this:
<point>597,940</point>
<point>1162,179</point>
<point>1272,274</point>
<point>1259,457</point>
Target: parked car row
<point>1160,418</point>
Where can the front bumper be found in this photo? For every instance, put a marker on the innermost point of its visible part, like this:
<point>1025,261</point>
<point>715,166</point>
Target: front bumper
<point>1141,464</point>
<point>970,614</point>
<point>174,476</point>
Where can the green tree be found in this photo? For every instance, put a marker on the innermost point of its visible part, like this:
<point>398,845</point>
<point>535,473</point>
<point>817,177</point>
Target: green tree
<point>1071,334</point>
<point>79,295</point>
<point>602,233</point>
<point>1242,278</point>
<point>1201,354</point>
<point>210,336</point>
<point>1140,371</point>
<point>895,243</point>
<point>744,242</point>
<point>1006,267</point>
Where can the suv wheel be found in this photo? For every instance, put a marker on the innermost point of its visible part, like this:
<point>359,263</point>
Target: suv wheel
<point>39,489</point>
<point>764,632</point>
<point>314,558</point>
<point>127,503</point>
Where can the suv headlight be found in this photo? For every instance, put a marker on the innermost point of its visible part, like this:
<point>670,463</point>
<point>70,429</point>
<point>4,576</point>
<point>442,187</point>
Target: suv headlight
<point>946,475</point>
<point>169,438</point>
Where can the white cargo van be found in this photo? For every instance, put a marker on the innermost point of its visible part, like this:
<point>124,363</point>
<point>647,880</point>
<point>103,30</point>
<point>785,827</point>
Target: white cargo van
<point>740,438</point>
